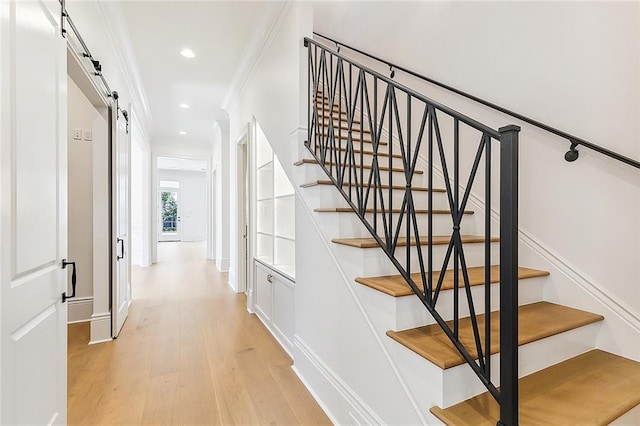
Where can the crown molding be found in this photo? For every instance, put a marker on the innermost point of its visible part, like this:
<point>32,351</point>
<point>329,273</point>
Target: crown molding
<point>255,50</point>
<point>118,36</point>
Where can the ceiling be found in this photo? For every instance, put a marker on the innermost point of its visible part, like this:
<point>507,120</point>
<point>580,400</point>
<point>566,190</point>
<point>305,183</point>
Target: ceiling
<point>220,33</point>
<point>171,163</point>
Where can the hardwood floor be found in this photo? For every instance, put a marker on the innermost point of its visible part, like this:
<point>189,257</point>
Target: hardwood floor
<point>189,353</point>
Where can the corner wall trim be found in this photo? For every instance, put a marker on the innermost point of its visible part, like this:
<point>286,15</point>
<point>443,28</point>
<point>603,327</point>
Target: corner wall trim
<point>358,405</point>
<point>100,328</point>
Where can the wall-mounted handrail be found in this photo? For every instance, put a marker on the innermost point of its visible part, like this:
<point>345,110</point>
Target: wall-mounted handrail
<point>575,141</point>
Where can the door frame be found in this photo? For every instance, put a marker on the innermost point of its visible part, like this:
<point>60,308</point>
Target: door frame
<point>79,70</point>
<point>161,151</point>
<point>243,207</point>
<point>252,214</point>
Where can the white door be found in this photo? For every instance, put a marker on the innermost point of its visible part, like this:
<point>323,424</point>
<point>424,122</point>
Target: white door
<point>121,277</point>
<point>33,218</point>
<point>169,214</point>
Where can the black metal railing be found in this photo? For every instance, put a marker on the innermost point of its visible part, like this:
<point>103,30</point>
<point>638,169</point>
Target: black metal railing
<point>573,140</point>
<point>363,127</point>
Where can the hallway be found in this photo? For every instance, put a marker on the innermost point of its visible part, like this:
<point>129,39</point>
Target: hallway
<point>189,353</point>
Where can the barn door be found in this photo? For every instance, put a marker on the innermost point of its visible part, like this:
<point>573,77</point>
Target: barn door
<point>121,249</point>
<point>33,214</point>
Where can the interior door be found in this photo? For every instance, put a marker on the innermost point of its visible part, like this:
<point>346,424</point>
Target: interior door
<point>33,220</point>
<point>121,186</point>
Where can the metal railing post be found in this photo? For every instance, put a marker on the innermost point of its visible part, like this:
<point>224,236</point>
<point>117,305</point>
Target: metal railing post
<point>508,275</point>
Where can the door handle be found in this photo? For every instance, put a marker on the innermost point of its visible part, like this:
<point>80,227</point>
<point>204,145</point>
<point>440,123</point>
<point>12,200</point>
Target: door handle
<point>270,278</point>
<point>120,243</point>
<point>65,263</point>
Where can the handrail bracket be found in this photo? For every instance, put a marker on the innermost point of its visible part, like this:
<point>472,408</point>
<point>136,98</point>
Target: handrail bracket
<point>573,154</point>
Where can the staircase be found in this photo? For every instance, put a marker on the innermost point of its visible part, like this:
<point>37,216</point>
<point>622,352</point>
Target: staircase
<point>391,218</point>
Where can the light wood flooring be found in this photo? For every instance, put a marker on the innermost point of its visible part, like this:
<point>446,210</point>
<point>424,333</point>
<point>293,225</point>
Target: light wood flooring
<point>189,353</point>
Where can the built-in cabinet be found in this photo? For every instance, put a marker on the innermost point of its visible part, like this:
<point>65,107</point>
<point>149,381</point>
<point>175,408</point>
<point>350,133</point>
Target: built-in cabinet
<point>275,303</point>
<point>274,262</point>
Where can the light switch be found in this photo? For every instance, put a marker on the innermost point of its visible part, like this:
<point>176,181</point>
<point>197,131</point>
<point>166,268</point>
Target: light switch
<point>77,134</point>
<point>87,135</point>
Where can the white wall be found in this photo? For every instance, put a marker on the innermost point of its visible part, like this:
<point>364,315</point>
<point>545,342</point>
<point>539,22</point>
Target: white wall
<point>192,204</point>
<point>202,153</point>
<point>223,170</point>
<point>573,65</point>
<point>137,204</point>
<point>272,95</point>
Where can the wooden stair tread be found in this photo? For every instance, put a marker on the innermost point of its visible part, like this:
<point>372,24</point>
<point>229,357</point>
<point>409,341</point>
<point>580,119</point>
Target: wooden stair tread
<point>396,286</point>
<point>350,210</point>
<point>366,166</point>
<point>364,243</point>
<point>383,186</point>
<point>536,321</point>
<point>594,388</point>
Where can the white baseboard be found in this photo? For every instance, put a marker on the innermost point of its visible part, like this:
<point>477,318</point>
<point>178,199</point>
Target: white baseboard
<point>332,386</point>
<point>79,309</point>
<point>100,328</point>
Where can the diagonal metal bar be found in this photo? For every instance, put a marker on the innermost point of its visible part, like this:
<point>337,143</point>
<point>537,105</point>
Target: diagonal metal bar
<point>443,162</point>
<point>472,310</point>
<point>472,175</point>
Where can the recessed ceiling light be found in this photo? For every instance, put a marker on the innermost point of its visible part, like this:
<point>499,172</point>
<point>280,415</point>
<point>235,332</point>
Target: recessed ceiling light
<point>183,133</point>
<point>185,106</point>
<point>187,53</point>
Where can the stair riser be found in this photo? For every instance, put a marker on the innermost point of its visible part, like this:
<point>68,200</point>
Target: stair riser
<point>459,383</point>
<point>367,158</point>
<point>329,196</point>
<point>631,417</point>
<point>408,311</point>
<point>315,172</point>
<point>374,262</point>
<point>348,224</point>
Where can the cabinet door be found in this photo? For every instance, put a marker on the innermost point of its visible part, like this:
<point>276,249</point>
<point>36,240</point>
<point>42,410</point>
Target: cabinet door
<point>264,292</point>
<point>284,309</point>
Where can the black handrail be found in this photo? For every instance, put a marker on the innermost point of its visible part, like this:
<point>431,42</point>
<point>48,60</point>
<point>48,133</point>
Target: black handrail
<point>575,141</point>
